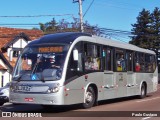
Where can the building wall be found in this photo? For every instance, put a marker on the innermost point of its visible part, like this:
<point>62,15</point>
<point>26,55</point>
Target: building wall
<point>5,76</point>
<point>21,43</point>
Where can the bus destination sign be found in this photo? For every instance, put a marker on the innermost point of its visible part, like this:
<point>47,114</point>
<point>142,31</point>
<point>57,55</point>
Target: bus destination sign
<point>50,49</point>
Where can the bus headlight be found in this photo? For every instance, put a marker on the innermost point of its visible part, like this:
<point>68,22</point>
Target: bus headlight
<point>11,88</point>
<point>54,89</point>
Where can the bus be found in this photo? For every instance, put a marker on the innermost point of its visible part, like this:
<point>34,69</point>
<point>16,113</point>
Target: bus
<point>78,68</point>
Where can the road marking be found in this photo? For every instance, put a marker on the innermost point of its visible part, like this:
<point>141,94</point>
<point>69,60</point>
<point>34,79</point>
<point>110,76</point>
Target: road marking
<point>146,118</point>
<point>148,99</point>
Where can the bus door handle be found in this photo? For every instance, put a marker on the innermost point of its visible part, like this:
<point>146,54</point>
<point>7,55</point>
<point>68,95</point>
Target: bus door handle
<point>129,85</point>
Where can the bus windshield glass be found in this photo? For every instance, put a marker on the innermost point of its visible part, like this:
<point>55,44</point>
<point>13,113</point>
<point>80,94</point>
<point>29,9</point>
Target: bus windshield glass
<point>40,63</point>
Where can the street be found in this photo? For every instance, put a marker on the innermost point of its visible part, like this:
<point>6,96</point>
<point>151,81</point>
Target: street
<point>130,108</point>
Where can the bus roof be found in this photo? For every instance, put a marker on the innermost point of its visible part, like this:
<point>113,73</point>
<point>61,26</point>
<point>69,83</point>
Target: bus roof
<point>66,37</point>
<point>69,37</point>
<point>123,45</point>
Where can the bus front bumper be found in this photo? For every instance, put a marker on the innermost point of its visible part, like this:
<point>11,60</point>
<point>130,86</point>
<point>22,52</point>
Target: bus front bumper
<point>43,99</point>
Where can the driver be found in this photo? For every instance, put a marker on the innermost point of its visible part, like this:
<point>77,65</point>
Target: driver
<point>58,63</point>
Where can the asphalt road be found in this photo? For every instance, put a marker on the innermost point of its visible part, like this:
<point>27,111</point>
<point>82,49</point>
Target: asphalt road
<point>130,108</point>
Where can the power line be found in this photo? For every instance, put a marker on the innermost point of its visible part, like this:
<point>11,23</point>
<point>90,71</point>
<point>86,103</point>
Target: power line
<point>18,24</point>
<point>27,16</point>
<point>88,8</point>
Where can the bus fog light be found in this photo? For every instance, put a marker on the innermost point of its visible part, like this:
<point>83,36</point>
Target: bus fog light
<point>49,91</point>
<point>52,101</point>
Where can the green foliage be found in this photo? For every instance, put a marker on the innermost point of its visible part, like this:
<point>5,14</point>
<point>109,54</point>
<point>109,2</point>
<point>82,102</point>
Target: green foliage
<point>64,26</point>
<point>146,31</point>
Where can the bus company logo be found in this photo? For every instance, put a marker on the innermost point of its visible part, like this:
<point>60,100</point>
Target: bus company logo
<point>6,114</point>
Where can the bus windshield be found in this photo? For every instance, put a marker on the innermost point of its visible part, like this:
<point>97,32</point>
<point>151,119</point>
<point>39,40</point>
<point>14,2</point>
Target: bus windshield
<point>40,63</point>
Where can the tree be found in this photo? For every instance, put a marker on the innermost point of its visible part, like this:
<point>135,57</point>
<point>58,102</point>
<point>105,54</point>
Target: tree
<point>142,30</point>
<point>49,27</point>
<point>63,26</point>
<point>146,32</point>
<point>156,27</point>
<point>156,31</point>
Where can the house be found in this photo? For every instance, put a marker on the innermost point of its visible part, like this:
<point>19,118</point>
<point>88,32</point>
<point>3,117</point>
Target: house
<point>12,41</point>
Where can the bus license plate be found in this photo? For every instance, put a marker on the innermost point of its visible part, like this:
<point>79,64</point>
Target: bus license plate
<point>23,88</point>
<point>28,99</point>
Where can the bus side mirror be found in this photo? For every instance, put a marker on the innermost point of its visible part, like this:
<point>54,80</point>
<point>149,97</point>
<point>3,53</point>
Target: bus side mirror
<point>75,55</point>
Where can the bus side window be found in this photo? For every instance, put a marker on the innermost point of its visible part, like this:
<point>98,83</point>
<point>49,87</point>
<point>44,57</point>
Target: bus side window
<point>139,62</point>
<point>153,62</point>
<point>120,60</point>
<point>92,56</point>
<point>129,60</point>
<point>107,58</point>
<point>149,63</point>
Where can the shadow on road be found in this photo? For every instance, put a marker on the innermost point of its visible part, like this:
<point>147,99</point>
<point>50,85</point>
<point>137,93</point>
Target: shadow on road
<point>118,100</point>
<point>30,108</point>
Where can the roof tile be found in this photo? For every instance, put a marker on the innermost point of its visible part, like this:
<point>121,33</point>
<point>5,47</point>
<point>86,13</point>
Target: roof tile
<point>8,34</point>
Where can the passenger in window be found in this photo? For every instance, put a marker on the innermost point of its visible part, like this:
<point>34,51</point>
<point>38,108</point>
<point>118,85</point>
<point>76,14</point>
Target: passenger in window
<point>150,67</point>
<point>119,66</point>
<point>153,66</point>
<point>121,63</point>
<point>58,62</point>
<point>99,63</point>
<point>142,67</point>
<point>39,66</point>
<point>88,64</point>
<point>95,64</point>
<point>137,67</point>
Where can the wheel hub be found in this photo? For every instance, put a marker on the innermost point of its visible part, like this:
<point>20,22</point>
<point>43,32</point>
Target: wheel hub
<point>89,97</point>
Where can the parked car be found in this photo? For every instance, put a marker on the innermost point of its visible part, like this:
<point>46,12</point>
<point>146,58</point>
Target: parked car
<point>4,94</point>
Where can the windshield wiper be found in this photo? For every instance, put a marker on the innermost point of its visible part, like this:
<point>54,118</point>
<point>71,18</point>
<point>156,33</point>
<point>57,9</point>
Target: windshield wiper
<point>19,78</point>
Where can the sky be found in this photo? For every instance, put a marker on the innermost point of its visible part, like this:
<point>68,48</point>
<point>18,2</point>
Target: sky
<point>112,14</point>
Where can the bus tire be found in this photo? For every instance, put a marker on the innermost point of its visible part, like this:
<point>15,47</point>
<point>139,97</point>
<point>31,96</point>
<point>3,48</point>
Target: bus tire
<point>1,103</point>
<point>89,98</point>
<point>47,106</point>
<point>143,91</point>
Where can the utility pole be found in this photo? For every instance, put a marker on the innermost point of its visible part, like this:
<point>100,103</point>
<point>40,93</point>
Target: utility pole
<point>80,13</point>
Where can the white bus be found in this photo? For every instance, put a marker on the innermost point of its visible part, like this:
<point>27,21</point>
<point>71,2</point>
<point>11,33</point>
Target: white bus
<point>71,68</point>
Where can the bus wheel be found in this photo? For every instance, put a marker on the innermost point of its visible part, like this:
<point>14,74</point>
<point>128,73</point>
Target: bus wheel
<point>143,91</point>
<point>1,103</point>
<point>89,98</point>
<point>47,106</point>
